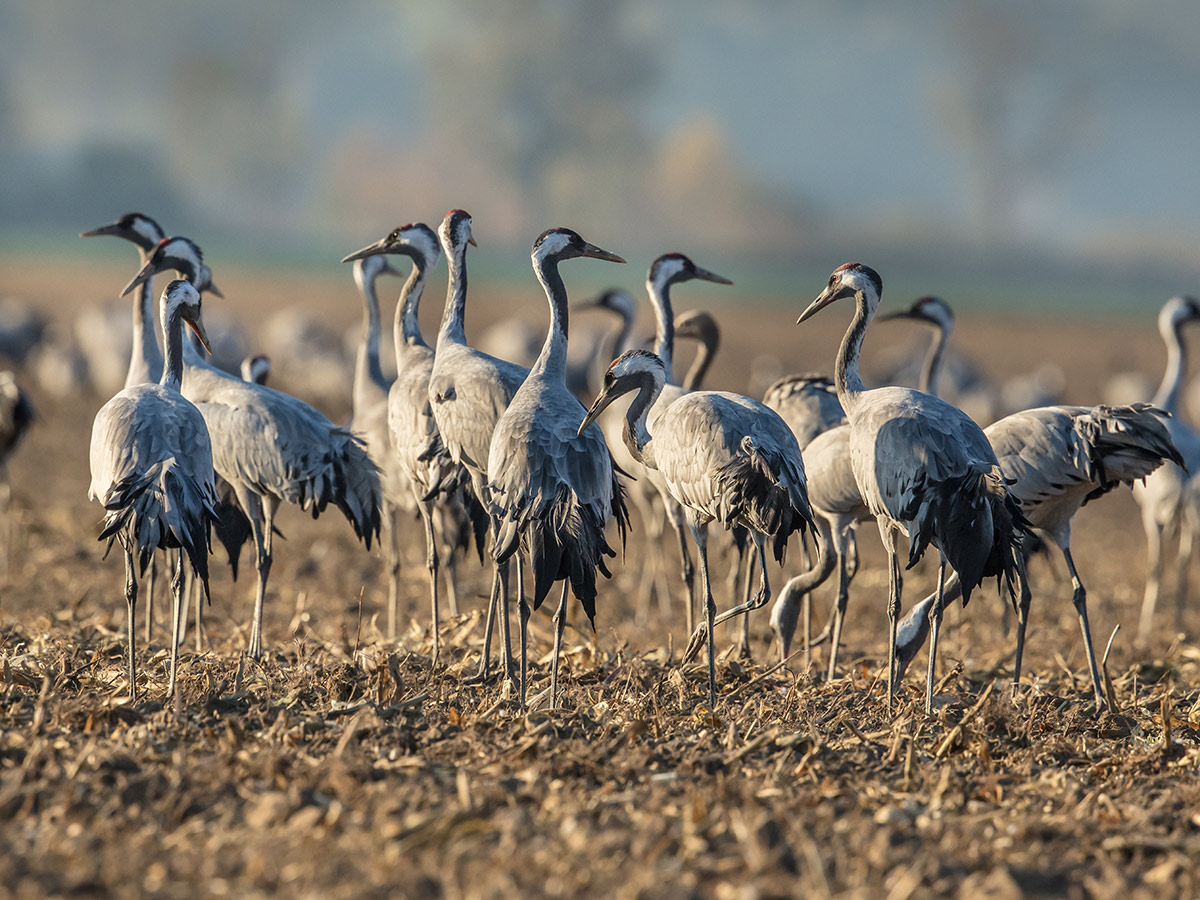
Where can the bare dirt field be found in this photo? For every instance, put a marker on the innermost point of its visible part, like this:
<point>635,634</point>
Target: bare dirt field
<point>342,765</point>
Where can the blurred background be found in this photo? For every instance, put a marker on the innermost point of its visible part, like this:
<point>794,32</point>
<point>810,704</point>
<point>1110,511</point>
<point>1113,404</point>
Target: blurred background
<point>1012,143</point>
<point>1013,157</point>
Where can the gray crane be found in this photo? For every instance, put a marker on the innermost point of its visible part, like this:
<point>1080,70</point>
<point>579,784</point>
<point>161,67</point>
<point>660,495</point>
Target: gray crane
<point>723,457</point>
<point>468,392</point>
<point>152,471</point>
<point>145,357</point>
<point>700,326</point>
<point>1055,460</point>
<point>428,471</point>
<point>833,491</point>
<point>1170,498</point>
<point>552,484</point>
<point>667,270</point>
<point>369,420</point>
<point>923,467</point>
<point>269,446</point>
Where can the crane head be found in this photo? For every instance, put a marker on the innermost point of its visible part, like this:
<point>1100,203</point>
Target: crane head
<point>557,244</point>
<point>180,297</point>
<point>698,325</point>
<point>135,227</point>
<point>1176,312</point>
<point>416,241</point>
<point>847,280</point>
<point>455,231</point>
<point>672,268</point>
<point>616,300</point>
<point>633,370</point>
<point>182,255</point>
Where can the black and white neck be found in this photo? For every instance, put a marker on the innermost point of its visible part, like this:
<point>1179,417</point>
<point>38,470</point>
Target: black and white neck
<point>179,303</point>
<point>662,274</point>
<point>455,235</point>
<point>551,248</point>
<point>866,287</point>
<point>644,373</point>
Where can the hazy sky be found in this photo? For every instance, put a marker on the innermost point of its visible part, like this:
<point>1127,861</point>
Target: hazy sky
<point>1071,127</point>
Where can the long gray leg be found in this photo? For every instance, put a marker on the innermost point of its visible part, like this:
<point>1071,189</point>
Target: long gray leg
<point>151,579</point>
<point>431,564</point>
<point>1079,598</point>
<point>700,535</point>
<point>524,611</point>
<point>895,585</point>
<point>935,623</point>
<point>178,612</point>
<point>560,624</point>
<point>675,515</point>
<point>1154,539</point>
<point>131,591</point>
<point>1024,598</point>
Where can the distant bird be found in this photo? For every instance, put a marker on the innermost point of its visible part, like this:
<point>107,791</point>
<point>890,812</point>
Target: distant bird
<point>269,446</point>
<point>256,368</point>
<point>584,374</point>
<point>427,471</point>
<point>369,420</point>
<point>935,312</point>
<point>16,415</point>
<point>723,457</point>
<point>468,392</point>
<point>1055,460</point>
<point>151,465</point>
<point>552,484</point>
<point>923,467</point>
<point>700,326</point>
<point>1170,498</point>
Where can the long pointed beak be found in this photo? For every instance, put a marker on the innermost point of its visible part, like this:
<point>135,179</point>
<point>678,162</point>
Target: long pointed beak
<point>899,314</point>
<point>706,275</point>
<point>594,252</point>
<point>112,228</point>
<point>827,296</point>
<point>213,289</point>
<point>374,249</point>
<point>602,400</point>
<point>149,270</point>
<point>198,327</point>
<point>471,241</point>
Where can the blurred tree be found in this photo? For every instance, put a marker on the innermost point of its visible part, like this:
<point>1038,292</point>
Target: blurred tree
<point>1014,114</point>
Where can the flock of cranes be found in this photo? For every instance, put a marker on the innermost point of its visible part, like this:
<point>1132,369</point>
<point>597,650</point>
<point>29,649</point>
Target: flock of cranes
<point>487,452</point>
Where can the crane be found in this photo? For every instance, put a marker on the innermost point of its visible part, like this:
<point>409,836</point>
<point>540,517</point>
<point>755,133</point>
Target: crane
<point>269,446</point>
<point>430,474</point>
<point>468,392</point>
<point>723,457</point>
<point>667,270</point>
<point>369,420</point>
<point>923,467</point>
<point>152,471</point>
<point>1170,498</point>
<point>552,485</point>
<point>1055,460</point>
<point>145,357</point>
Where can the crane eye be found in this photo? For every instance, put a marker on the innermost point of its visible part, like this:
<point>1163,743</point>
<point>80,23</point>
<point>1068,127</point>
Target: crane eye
<point>833,279</point>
